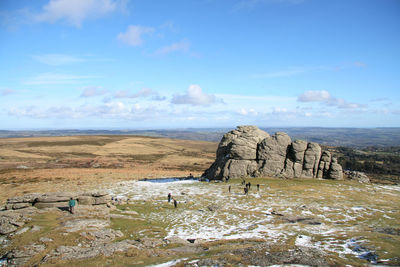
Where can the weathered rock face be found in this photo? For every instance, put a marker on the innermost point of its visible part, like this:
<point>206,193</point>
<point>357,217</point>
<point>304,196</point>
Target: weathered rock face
<point>251,152</point>
<point>57,200</point>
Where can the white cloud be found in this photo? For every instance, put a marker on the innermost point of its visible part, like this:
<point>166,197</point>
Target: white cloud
<point>195,96</point>
<point>169,25</point>
<point>315,96</point>
<point>89,91</point>
<point>144,92</point>
<point>57,59</point>
<point>360,64</point>
<point>250,111</point>
<point>74,12</point>
<point>182,46</point>
<point>133,36</point>
<point>55,78</point>
<point>326,98</point>
<point>7,91</point>
<point>111,110</point>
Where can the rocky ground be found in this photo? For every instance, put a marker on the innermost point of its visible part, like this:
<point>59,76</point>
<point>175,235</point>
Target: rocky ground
<point>304,222</point>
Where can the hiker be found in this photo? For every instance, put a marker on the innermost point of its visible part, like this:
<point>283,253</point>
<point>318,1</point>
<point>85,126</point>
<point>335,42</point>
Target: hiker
<point>71,205</point>
<point>169,197</point>
<point>175,203</point>
<point>258,187</point>
<point>246,190</point>
<point>249,185</point>
<point>229,189</point>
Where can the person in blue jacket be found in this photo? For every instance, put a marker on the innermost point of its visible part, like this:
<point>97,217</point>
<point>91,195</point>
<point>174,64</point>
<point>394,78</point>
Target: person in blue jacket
<point>72,204</point>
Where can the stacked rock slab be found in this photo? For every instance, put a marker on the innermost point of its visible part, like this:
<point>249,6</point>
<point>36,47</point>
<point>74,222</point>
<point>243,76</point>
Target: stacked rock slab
<point>57,200</point>
<point>251,152</point>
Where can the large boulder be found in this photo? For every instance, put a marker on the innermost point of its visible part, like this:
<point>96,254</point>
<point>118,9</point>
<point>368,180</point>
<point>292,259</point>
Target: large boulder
<point>237,145</point>
<point>324,165</point>
<point>273,150</point>
<point>241,143</point>
<point>251,152</point>
<point>311,160</point>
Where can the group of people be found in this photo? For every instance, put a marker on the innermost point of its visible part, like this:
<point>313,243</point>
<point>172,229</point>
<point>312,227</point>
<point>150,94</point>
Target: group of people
<point>173,199</point>
<point>246,188</point>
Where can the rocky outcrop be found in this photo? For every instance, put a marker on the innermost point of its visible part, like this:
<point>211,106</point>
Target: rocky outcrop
<point>357,176</point>
<point>57,200</point>
<point>251,152</point>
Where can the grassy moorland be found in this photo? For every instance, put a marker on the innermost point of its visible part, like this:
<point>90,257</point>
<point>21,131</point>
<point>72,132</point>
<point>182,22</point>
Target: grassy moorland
<point>42,164</point>
<point>336,222</point>
<point>303,221</point>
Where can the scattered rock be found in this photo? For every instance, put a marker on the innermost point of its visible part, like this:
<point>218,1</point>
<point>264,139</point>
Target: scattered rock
<point>357,176</point>
<point>86,200</point>
<point>35,228</point>
<point>102,200</point>
<point>76,252</point>
<point>28,198</point>
<point>213,207</point>
<point>99,193</point>
<point>176,240</point>
<point>152,242</point>
<point>19,257</point>
<point>388,230</point>
<point>11,220</point>
<point>47,205</point>
<point>101,236</point>
<point>79,224</point>
<point>21,231</point>
<point>45,240</point>
<point>54,197</point>
<point>17,206</point>
<point>310,221</point>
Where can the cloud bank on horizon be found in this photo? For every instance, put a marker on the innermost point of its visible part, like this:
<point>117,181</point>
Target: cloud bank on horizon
<point>174,64</point>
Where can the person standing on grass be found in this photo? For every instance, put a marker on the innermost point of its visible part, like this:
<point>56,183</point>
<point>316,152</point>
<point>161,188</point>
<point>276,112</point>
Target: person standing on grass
<point>175,203</point>
<point>169,197</point>
<point>72,204</point>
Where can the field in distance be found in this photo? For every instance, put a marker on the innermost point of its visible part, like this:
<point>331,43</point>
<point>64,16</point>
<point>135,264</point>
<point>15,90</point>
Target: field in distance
<point>74,163</point>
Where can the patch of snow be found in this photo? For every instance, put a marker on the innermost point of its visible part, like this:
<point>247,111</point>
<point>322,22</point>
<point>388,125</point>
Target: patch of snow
<point>303,240</point>
<point>169,263</point>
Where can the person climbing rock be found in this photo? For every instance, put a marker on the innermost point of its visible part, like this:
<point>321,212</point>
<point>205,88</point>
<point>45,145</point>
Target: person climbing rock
<point>169,197</point>
<point>71,205</point>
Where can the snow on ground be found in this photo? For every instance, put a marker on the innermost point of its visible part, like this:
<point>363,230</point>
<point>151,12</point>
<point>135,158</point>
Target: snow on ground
<point>239,216</point>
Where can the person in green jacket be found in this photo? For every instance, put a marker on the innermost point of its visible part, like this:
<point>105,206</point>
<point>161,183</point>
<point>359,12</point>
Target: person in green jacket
<point>72,204</point>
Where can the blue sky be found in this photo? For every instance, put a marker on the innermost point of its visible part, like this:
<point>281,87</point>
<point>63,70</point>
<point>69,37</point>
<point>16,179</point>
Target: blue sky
<point>120,64</point>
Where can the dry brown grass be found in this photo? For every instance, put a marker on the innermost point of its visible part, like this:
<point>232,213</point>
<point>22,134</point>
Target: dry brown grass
<point>85,162</point>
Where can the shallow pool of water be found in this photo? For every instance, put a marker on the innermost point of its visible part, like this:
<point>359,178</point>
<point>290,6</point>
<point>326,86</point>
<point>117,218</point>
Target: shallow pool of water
<point>168,180</point>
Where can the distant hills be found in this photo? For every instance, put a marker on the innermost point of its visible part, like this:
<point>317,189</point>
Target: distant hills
<point>348,137</point>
